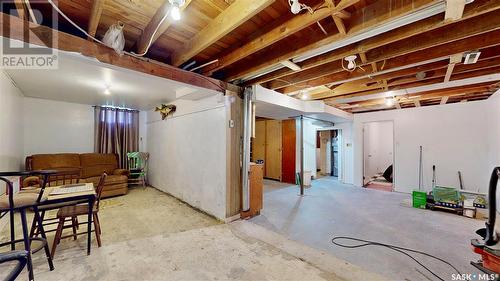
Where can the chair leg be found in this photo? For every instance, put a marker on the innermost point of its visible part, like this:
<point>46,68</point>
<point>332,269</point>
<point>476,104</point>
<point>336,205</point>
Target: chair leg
<point>58,235</point>
<point>42,233</point>
<point>12,231</point>
<point>33,227</point>
<point>73,226</point>
<point>98,223</point>
<point>27,243</point>
<point>97,230</point>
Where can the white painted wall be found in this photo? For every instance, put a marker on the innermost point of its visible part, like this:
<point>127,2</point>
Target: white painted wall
<point>378,147</point>
<point>310,129</point>
<point>188,153</point>
<point>11,142</point>
<point>11,126</point>
<point>454,138</point>
<point>494,131</point>
<point>57,127</point>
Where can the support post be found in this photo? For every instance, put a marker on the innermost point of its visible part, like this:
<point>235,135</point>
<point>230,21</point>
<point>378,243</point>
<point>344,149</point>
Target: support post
<point>301,155</point>
<point>247,132</point>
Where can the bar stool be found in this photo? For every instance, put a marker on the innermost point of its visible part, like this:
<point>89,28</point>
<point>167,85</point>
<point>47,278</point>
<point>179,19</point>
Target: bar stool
<point>20,202</point>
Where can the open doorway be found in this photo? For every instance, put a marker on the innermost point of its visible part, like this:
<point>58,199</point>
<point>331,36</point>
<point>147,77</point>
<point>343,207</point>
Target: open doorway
<point>328,153</point>
<point>378,155</point>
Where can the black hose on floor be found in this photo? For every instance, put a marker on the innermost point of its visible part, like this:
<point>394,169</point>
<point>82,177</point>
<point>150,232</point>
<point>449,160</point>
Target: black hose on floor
<point>398,249</point>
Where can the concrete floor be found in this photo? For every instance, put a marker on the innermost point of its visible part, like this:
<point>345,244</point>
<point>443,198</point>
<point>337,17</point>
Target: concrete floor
<point>148,235</point>
<point>330,208</point>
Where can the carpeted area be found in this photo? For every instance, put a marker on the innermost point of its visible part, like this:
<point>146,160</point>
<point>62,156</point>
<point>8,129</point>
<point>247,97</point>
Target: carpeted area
<point>149,235</point>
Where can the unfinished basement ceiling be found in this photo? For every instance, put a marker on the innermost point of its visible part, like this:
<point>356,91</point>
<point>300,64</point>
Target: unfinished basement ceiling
<point>398,44</point>
<point>81,80</point>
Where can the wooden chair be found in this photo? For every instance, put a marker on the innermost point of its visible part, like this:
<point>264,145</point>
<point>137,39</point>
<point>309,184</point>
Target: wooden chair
<point>61,177</point>
<point>72,213</point>
<point>138,167</point>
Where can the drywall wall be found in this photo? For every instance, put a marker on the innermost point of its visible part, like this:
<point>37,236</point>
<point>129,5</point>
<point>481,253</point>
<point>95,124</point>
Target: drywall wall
<point>310,129</point>
<point>188,153</point>
<point>11,126</point>
<point>454,137</point>
<point>494,131</point>
<point>56,127</point>
<point>11,142</point>
<point>377,147</point>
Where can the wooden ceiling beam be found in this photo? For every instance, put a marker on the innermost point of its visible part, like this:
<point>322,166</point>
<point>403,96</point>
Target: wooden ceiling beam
<point>360,22</point>
<point>454,59</point>
<point>444,100</point>
<point>276,34</point>
<point>232,17</point>
<point>70,43</point>
<point>418,97</point>
<point>160,20</point>
<point>414,54</point>
<point>473,10</point>
<point>339,23</point>
<point>458,76</point>
<point>22,12</point>
<point>95,16</point>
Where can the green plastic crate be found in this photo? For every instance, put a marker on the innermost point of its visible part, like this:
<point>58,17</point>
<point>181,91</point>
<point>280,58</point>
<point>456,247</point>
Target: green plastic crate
<point>419,199</point>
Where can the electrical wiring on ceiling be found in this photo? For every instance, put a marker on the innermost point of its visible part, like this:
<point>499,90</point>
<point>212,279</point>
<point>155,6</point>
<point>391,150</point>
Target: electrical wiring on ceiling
<point>125,52</point>
<point>101,42</point>
<point>401,250</point>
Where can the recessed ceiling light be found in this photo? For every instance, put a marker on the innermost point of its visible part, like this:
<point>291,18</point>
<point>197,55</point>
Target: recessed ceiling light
<point>107,92</point>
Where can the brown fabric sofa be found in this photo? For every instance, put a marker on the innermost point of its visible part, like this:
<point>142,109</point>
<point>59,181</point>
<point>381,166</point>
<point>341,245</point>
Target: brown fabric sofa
<point>91,166</point>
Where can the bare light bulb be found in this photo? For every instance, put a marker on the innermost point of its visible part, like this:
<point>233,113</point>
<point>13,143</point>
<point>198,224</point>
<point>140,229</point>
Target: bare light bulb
<point>389,101</point>
<point>304,96</point>
<point>351,65</point>
<point>295,7</point>
<point>107,92</point>
<point>175,12</point>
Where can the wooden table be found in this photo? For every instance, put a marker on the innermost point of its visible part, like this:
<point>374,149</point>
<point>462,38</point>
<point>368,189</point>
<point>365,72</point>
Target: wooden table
<point>89,196</point>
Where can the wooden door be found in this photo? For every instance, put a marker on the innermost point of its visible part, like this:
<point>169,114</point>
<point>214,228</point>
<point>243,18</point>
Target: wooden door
<point>288,151</point>
<point>273,149</point>
<point>259,142</point>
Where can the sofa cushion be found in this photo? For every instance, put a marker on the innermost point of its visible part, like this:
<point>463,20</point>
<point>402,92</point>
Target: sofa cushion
<point>94,164</point>
<point>110,180</point>
<point>59,161</point>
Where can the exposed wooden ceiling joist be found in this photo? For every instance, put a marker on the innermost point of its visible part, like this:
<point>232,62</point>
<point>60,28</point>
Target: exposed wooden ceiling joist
<point>361,21</point>
<point>236,14</point>
<point>71,43</point>
<point>21,9</point>
<point>279,32</point>
<point>95,16</point>
<point>160,20</point>
<point>401,33</point>
<point>409,54</point>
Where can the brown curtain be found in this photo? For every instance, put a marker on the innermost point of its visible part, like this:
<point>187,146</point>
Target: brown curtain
<point>116,131</point>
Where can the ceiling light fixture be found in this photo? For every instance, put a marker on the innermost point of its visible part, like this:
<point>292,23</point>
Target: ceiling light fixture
<point>351,65</point>
<point>305,96</point>
<point>175,11</point>
<point>389,101</point>
<point>107,92</point>
<point>296,7</point>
